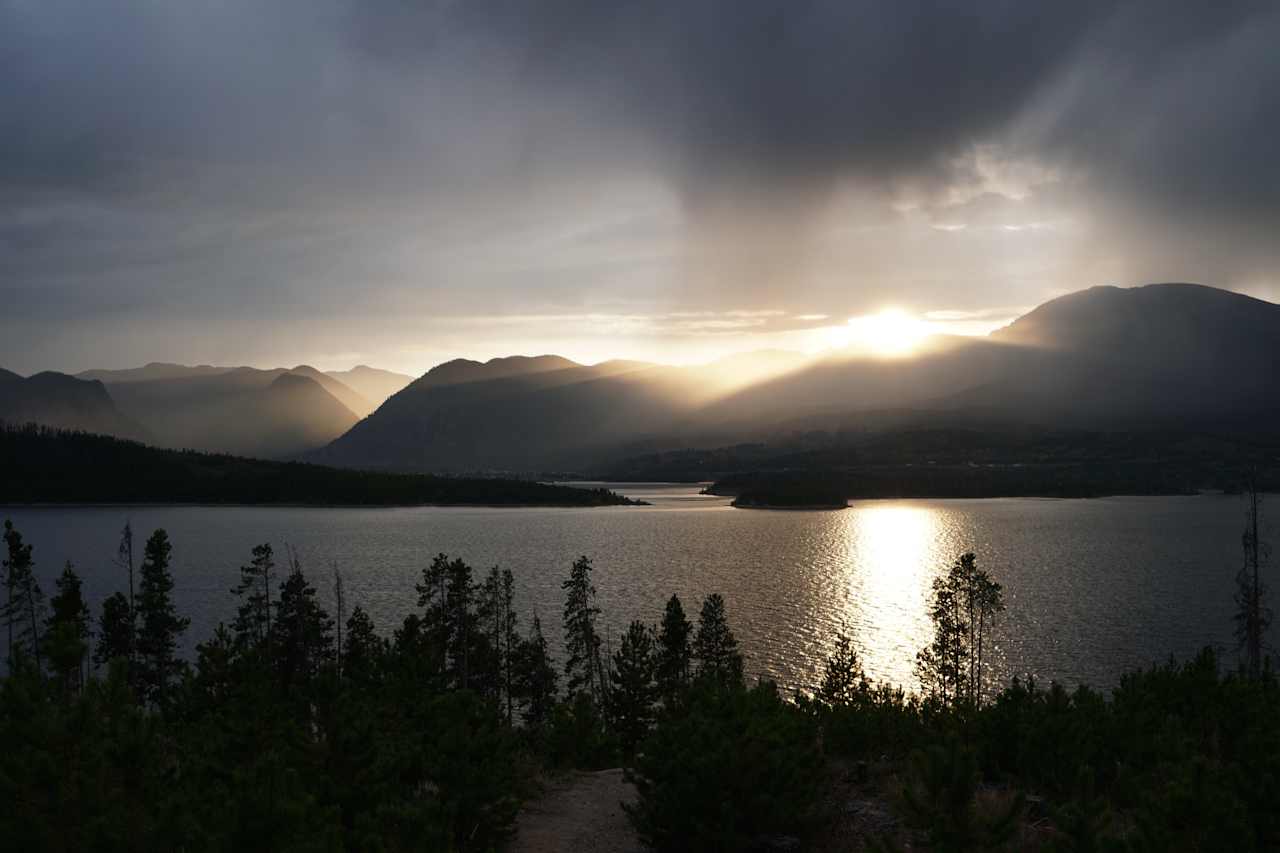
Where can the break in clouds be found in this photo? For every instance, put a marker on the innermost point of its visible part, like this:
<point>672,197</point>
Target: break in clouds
<point>401,182</point>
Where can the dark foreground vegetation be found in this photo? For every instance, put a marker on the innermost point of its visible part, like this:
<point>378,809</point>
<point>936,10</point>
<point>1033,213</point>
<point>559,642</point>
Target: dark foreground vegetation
<point>299,729</point>
<point>43,465</point>
<point>976,462</point>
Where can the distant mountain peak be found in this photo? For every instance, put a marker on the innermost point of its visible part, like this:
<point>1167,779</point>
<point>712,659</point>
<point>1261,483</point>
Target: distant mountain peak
<point>372,383</point>
<point>58,400</point>
<point>294,380</point>
<point>1168,314</point>
<point>461,370</point>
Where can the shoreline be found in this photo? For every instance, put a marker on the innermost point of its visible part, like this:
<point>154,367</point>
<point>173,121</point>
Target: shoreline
<point>1020,496</point>
<point>798,507</point>
<point>294,505</point>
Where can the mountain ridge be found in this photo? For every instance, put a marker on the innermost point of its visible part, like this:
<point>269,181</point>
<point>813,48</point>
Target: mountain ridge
<point>1106,357</point>
<point>63,401</point>
<point>1148,357</point>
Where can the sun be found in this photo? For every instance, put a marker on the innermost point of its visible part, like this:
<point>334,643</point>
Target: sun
<point>887,334</point>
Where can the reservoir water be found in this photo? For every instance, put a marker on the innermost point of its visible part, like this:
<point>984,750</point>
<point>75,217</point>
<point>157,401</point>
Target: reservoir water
<point>1093,587</point>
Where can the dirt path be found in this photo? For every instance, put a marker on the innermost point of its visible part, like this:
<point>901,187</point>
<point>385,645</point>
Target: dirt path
<point>581,813</point>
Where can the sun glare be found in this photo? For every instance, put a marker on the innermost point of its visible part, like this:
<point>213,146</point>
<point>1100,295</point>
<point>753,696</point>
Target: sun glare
<point>889,333</point>
<point>890,550</point>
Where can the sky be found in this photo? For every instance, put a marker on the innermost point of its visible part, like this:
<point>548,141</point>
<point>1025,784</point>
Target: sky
<point>397,183</point>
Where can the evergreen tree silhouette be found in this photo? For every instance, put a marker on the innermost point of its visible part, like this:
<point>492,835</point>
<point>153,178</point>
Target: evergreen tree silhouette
<point>583,666</point>
<point>67,631</point>
<point>634,691</point>
<point>535,679</point>
<point>673,653</point>
<point>115,631</point>
<point>843,680</point>
<point>24,601</point>
<point>301,633</point>
<point>159,625</point>
<point>252,625</point>
<point>714,646</point>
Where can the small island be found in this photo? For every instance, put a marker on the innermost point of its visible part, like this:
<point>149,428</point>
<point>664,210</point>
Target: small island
<point>795,496</point>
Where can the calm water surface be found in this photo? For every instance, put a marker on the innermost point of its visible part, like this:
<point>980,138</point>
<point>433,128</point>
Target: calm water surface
<point>1094,587</point>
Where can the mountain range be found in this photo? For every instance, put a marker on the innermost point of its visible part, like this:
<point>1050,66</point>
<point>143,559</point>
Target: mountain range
<point>1158,357</point>
<point>277,413</point>
<point>58,400</point>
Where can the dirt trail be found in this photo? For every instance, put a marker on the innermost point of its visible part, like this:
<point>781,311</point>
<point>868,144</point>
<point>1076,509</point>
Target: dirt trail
<point>581,813</point>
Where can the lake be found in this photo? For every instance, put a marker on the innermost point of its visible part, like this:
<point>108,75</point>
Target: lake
<point>1093,587</point>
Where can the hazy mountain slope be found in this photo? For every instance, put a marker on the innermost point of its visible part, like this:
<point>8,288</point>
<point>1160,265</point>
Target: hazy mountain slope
<point>371,383</point>
<point>353,400</point>
<point>1150,357</point>
<point>59,400</point>
<point>839,384</point>
<point>154,370</point>
<point>1164,353</point>
<point>1160,355</point>
<point>264,413</point>
<point>512,414</point>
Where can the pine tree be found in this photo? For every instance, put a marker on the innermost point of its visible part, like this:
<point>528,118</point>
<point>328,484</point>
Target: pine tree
<point>451,627</point>
<point>843,680</point>
<point>938,665</point>
<point>159,625</point>
<point>67,631</point>
<point>634,692</point>
<point>535,679</point>
<point>510,639</point>
<point>673,653</point>
<point>498,609</point>
<point>714,646</point>
<point>433,595</point>
<point>460,622</point>
<point>583,666</point>
<point>965,602</point>
<point>363,649</point>
<point>24,601</point>
<point>252,625</point>
<point>302,632</point>
<point>115,631</point>
<point>487,669</point>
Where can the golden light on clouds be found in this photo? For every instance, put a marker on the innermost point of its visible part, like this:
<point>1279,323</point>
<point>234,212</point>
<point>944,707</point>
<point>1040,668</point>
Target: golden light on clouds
<point>889,333</point>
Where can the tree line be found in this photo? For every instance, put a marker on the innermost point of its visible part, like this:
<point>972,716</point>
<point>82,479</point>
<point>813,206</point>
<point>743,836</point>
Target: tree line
<point>46,465</point>
<point>295,723</point>
<point>298,728</point>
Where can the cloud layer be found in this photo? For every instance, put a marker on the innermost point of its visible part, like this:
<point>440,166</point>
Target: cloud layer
<point>285,180</point>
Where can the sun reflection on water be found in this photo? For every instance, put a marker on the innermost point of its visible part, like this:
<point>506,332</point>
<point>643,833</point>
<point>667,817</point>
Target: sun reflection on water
<point>892,553</point>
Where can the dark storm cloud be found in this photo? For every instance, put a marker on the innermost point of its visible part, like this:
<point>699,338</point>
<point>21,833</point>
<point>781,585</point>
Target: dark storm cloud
<point>729,89</point>
<point>769,90</point>
<point>804,90</point>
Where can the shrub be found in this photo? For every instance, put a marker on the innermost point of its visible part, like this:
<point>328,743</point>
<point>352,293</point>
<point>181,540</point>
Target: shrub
<point>577,736</point>
<point>735,766</point>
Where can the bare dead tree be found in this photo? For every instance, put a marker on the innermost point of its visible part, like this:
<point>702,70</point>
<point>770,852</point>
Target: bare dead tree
<point>339,597</point>
<point>1252,615</point>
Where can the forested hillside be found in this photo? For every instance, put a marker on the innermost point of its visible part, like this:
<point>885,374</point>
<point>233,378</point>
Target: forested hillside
<point>43,465</point>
